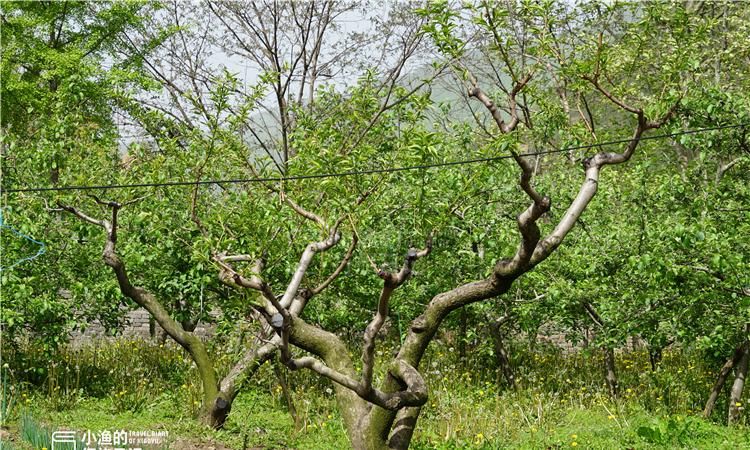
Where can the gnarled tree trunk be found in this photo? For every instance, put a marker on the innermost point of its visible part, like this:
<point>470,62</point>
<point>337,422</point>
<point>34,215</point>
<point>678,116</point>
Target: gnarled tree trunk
<point>740,374</point>
<point>385,417</point>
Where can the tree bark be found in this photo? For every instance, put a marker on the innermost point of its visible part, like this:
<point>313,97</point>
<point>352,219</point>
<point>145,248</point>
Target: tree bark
<point>655,356</point>
<point>721,380</point>
<point>334,353</point>
<point>501,355</point>
<point>421,332</point>
<point>735,394</point>
<point>217,410</point>
<point>610,372</point>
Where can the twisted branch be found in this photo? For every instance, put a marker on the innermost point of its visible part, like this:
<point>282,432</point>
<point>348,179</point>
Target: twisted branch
<point>391,282</point>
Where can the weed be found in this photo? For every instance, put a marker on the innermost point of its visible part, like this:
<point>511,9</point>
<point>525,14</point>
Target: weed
<point>7,396</point>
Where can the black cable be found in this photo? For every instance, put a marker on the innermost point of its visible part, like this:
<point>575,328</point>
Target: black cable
<point>358,172</point>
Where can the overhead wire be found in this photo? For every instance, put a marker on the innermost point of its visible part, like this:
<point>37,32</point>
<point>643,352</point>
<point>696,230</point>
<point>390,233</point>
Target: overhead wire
<point>361,172</point>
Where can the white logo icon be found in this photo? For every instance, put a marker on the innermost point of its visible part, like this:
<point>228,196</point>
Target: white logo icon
<point>64,437</point>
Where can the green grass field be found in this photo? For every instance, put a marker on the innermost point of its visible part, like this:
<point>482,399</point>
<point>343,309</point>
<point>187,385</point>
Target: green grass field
<point>560,403</point>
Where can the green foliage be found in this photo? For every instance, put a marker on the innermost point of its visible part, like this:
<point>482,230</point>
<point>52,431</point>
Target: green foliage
<point>58,128</point>
<point>52,58</point>
<point>676,432</point>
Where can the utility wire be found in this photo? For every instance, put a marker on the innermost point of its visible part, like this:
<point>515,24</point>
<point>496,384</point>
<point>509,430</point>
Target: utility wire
<point>359,172</point>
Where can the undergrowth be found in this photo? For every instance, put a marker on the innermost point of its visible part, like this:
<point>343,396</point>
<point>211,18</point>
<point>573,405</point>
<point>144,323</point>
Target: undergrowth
<point>561,400</point>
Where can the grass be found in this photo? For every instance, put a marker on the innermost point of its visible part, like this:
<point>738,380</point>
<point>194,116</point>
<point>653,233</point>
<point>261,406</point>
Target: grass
<point>459,420</point>
<point>561,402</point>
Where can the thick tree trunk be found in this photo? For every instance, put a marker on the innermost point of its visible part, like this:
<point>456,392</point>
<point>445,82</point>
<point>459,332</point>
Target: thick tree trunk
<point>392,429</point>
<point>610,372</point>
<point>735,394</point>
<point>214,404</point>
<point>721,380</point>
<point>334,353</point>
<point>216,409</point>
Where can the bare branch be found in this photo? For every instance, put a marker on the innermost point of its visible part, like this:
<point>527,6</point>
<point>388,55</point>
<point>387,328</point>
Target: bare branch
<point>86,218</point>
<point>250,361</point>
<point>307,255</point>
<point>333,238</point>
<point>593,314</point>
<point>530,233</point>
<point>594,80</point>
<point>723,168</point>
<point>588,118</point>
<point>525,182</point>
<point>658,123</point>
<point>135,200</point>
<point>309,215</point>
<point>476,92</point>
<point>231,277</point>
<point>391,282</point>
<point>335,274</point>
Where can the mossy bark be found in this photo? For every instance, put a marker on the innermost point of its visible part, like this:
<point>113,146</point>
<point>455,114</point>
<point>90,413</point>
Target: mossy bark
<point>334,353</point>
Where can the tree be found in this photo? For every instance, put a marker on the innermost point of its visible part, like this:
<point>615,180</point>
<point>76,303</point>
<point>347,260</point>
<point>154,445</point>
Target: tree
<point>198,125</point>
<point>57,116</point>
<point>320,247</point>
<point>386,415</point>
<point>671,270</point>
